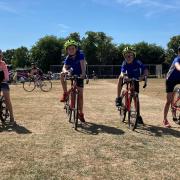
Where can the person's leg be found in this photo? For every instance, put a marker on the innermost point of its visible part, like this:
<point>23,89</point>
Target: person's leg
<point>80,84</point>
<point>118,101</point>
<point>63,82</point>
<point>64,86</point>
<point>136,88</point>
<point>119,86</point>
<point>169,97</point>
<point>167,104</point>
<point>81,100</point>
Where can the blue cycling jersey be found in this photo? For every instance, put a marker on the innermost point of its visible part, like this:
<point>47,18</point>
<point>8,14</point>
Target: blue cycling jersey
<point>173,74</point>
<point>74,62</point>
<point>134,69</point>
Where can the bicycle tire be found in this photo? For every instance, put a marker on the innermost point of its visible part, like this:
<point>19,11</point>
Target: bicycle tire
<point>29,85</point>
<point>46,85</point>
<point>4,112</point>
<point>71,107</point>
<point>175,105</point>
<point>122,108</point>
<point>133,114</point>
<point>76,109</point>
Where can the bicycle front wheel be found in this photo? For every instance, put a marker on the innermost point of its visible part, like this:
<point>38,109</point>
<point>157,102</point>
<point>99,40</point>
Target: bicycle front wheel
<point>133,113</point>
<point>29,85</point>
<point>46,85</point>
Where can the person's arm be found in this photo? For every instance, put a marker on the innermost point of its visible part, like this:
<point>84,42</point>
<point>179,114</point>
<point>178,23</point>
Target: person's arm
<point>177,66</point>
<point>144,71</point>
<point>6,72</point>
<point>83,68</point>
<point>65,68</point>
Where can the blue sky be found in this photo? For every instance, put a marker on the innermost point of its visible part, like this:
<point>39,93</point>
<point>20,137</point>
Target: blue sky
<point>23,22</point>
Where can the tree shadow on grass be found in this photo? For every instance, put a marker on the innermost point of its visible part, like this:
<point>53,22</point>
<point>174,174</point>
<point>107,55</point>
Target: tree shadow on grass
<point>19,129</point>
<point>95,129</point>
<point>158,131</point>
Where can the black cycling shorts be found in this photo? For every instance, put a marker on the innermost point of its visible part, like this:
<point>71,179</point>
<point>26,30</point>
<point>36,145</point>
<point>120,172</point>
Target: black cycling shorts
<point>80,83</point>
<point>136,86</point>
<point>4,86</point>
<point>170,85</point>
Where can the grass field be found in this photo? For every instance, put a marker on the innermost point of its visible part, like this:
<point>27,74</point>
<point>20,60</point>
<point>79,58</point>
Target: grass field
<point>45,146</point>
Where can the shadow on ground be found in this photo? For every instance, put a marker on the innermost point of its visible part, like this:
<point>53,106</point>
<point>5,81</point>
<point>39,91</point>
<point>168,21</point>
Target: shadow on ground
<point>19,129</point>
<point>95,129</point>
<point>158,131</point>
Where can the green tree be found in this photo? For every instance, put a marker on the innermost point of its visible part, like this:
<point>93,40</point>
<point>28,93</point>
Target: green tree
<point>149,53</point>
<point>89,47</point>
<point>47,51</point>
<point>20,57</point>
<point>98,48</point>
<point>8,55</point>
<point>171,52</point>
<point>174,43</point>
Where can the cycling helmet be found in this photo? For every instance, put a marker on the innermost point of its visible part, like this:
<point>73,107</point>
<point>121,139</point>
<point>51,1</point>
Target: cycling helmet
<point>129,49</point>
<point>70,42</point>
<point>179,48</point>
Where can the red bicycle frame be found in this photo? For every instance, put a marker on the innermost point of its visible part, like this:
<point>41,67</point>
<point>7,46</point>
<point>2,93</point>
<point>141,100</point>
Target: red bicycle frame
<point>129,90</point>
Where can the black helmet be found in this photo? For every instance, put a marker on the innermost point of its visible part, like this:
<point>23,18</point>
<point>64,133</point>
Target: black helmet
<point>179,48</point>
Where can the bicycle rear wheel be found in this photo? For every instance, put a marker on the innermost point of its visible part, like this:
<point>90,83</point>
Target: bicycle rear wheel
<point>176,105</point>
<point>46,85</point>
<point>29,85</point>
<point>4,113</point>
<point>133,114</point>
<point>122,109</point>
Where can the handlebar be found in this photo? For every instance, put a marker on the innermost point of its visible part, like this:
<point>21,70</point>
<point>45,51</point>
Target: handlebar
<point>129,80</point>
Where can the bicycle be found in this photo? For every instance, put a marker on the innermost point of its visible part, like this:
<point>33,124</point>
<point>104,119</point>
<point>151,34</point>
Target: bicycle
<point>130,103</point>
<point>4,112</point>
<point>43,83</point>
<point>71,105</point>
<point>175,106</point>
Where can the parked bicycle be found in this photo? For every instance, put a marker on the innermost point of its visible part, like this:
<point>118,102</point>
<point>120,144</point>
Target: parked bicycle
<point>32,82</point>
<point>130,103</point>
<point>175,106</point>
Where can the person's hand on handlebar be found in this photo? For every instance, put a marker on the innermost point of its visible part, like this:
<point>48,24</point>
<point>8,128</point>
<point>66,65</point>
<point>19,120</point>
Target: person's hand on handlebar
<point>83,76</point>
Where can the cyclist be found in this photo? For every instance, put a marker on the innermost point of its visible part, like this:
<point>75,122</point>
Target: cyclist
<point>172,79</point>
<point>35,70</point>
<point>133,68</point>
<point>5,88</point>
<point>75,60</point>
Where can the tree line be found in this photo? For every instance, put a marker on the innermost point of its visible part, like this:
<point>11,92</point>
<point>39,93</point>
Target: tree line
<point>99,49</point>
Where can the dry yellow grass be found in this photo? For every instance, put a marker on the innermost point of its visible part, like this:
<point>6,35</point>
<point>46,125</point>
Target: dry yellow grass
<point>45,146</point>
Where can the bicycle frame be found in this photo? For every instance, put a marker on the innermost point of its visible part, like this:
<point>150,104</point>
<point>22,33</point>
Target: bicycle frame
<point>175,106</point>
<point>73,89</point>
<point>73,95</point>
<point>128,92</point>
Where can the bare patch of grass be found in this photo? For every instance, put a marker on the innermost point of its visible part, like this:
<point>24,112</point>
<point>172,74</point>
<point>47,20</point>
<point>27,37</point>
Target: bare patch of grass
<point>45,146</point>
